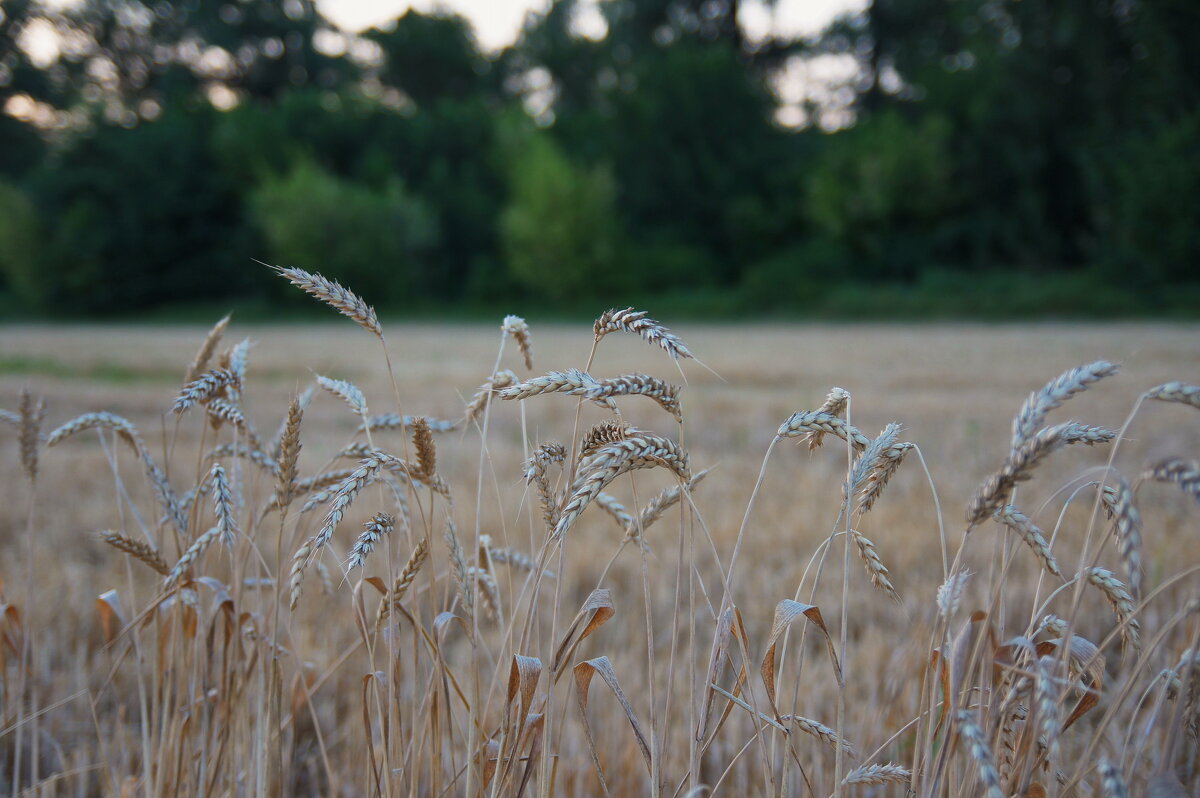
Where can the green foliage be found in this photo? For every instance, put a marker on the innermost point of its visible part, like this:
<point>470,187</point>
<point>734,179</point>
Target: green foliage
<point>143,216</point>
<point>880,191</point>
<point>20,246</point>
<point>372,239</point>
<point>560,232</point>
<point>1149,224</point>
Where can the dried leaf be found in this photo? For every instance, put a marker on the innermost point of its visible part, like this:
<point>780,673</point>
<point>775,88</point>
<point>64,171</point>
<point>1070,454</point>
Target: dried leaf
<point>584,672</point>
<point>788,612</point>
<point>596,611</point>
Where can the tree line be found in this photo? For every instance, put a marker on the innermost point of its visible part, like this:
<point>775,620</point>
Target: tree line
<point>1001,156</point>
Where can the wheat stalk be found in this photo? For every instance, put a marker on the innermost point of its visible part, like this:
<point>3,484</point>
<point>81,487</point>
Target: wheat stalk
<point>498,382</point>
<point>1185,473</point>
<point>1030,535</point>
<point>662,392</point>
<point>875,567</point>
<point>289,453</point>
<point>1020,463</point>
<point>403,582</point>
<point>392,421</point>
<point>33,414</point>
<point>348,392</point>
<point>635,321</point>
<point>571,382</point>
<point>877,774</point>
<point>189,557</point>
<point>1117,501</point>
<point>519,330</point>
<point>801,424</point>
<point>137,549</point>
<point>204,354</point>
<point>604,433</point>
<point>331,293</point>
<point>1181,392</point>
<point>227,526</point>
<point>373,531</point>
<point>834,404</point>
<point>205,387</point>
<point>980,753</point>
<point>641,451</point>
<point>1033,413</point>
<point>1122,602</point>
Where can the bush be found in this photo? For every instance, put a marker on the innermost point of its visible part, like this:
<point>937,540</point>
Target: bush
<point>560,232</point>
<point>20,246</point>
<point>368,237</point>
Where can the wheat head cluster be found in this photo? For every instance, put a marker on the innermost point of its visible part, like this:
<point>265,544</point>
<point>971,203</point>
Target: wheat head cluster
<point>379,625</point>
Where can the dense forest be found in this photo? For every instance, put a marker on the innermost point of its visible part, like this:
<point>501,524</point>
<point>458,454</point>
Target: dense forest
<point>978,157</point>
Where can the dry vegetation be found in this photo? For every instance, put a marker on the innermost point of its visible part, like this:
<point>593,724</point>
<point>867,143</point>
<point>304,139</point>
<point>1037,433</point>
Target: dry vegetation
<point>406,579</point>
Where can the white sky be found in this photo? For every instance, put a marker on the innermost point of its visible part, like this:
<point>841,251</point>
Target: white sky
<point>497,22</point>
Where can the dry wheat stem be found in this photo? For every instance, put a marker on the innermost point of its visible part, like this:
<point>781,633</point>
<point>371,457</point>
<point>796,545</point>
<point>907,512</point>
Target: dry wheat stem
<point>1117,501</point>
<point>877,774</point>
<point>189,557</point>
<point>334,295</point>
<point>818,730</point>
<point>1122,602</point>
<point>1185,473</point>
<point>835,405</point>
<point>204,354</point>
<point>1181,392</point>
<point>881,472</point>
<point>571,382</point>
<point>224,411</point>
<point>207,386</point>
<point>605,432</point>
<point>391,421</point>
<point>1020,463</point>
<point>635,321</point>
<point>610,505</point>
<point>348,392</point>
<point>489,591</point>
<point>289,453</point>
<point>875,567</point>
<point>426,450</point>
<point>519,330</point>
<point>296,573</point>
<point>33,414</point>
<point>497,383</point>
<point>1030,535</point>
<point>1032,414</point>
<point>227,526</point>
<point>137,549</point>
<point>1111,781</point>
<point>980,753</point>
<point>256,456</point>
<point>949,594</point>
<point>662,501</point>
<point>641,451</point>
<point>870,459</point>
<point>662,392</point>
<point>404,581</point>
<point>373,531</point>
<point>458,567</point>
<point>535,472</point>
<point>801,424</point>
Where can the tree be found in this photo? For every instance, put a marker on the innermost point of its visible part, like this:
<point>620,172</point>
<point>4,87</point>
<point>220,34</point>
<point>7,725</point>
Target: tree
<point>560,232</point>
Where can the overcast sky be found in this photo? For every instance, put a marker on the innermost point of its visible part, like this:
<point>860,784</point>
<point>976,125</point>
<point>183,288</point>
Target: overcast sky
<point>497,22</point>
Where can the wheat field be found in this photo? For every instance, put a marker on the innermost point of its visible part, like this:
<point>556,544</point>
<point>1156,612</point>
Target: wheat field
<point>435,622</point>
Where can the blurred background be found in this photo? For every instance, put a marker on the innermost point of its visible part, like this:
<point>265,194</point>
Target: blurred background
<point>715,158</point>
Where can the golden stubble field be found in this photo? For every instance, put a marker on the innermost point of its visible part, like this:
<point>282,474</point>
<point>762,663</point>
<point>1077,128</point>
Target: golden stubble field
<point>258,699</point>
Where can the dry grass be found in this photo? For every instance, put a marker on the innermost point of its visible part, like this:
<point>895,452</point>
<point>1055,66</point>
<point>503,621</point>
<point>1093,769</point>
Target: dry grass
<point>740,649</point>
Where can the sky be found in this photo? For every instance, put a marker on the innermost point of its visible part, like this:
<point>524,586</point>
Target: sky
<point>497,22</point>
